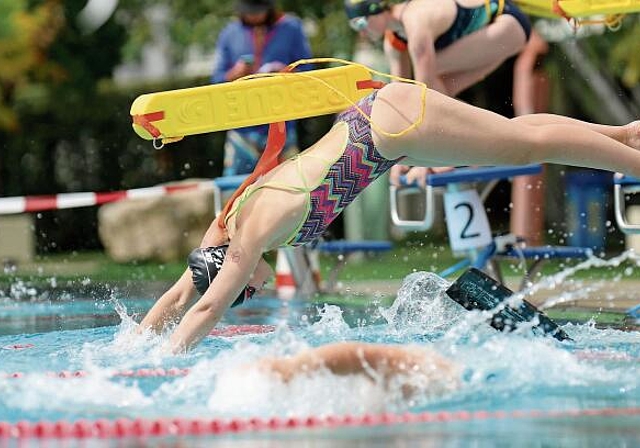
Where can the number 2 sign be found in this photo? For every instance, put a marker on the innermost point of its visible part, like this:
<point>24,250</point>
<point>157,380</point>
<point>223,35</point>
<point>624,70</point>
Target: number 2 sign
<point>467,222</point>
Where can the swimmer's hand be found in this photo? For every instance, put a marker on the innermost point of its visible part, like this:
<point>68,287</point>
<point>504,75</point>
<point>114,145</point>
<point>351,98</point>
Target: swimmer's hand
<point>396,172</point>
<point>416,175</point>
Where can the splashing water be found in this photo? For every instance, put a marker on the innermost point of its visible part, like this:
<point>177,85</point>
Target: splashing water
<point>498,370</point>
<point>578,288</point>
<point>422,305</point>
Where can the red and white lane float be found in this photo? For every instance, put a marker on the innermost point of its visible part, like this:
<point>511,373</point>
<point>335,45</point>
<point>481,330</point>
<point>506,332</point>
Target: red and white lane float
<point>123,428</point>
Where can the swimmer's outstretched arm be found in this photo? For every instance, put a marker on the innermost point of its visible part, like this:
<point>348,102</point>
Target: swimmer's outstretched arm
<point>242,258</point>
<point>376,361</point>
<point>423,56</point>
<point>173,304</point>
<point>399,61</point>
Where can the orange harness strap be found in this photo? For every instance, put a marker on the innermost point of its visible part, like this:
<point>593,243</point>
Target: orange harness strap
<point>557,9</point>
<point>275,142</point>
<point>369,84</point>
<point>397,43</point>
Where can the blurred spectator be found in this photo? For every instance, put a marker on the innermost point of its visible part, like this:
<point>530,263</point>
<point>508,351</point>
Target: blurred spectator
<point>263,39</point>
<point>530,95</point>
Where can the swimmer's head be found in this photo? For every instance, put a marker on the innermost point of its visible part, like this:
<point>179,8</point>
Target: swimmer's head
<point>205,263</point>
<point>364,8</point>
<point>365,16</point>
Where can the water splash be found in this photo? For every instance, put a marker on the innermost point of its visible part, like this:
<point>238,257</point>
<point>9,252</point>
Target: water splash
<point>580,289</point>
<point>330,323</point>
<point>97,395</point>
<point>253,392</point>
<point>500,369</point>
<point>421,304</point>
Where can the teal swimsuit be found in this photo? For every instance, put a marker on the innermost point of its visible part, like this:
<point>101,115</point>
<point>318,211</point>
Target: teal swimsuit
<point>470,20</point>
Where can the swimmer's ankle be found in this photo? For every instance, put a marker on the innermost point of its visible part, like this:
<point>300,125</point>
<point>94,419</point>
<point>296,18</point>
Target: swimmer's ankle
<point>632,138</point>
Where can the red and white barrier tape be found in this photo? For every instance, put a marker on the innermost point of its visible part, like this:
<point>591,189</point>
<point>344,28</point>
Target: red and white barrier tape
<point>28,204</point>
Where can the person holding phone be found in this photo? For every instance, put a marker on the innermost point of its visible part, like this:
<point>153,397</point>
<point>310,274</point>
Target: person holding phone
<point>263,39</point>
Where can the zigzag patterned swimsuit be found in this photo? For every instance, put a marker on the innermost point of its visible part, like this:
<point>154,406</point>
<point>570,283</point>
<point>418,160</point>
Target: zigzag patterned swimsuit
<point>358,166</point>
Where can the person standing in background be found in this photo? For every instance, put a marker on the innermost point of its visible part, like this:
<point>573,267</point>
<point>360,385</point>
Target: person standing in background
<point>530,95</point>
<point>263,39</point>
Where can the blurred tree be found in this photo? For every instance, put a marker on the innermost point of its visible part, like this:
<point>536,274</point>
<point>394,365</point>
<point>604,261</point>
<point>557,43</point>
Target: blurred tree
<point>625,55</point>
<point>58,70</point>
<point>196,23</point>
<point>25,37</point>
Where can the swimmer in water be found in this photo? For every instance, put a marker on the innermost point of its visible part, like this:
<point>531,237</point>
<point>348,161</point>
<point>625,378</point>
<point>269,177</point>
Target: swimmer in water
<point>381,376</point>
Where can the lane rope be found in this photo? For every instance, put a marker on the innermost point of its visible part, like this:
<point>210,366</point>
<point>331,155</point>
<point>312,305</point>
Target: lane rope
<point>162,427</point>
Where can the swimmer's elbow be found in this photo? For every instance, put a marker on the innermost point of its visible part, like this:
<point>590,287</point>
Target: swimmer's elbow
<point>210,309</point>
<point>183,301</point>
<point>207,308</point>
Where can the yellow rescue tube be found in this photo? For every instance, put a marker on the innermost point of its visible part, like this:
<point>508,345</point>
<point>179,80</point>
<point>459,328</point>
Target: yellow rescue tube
<point>173,114</point>
<point>578,8</point>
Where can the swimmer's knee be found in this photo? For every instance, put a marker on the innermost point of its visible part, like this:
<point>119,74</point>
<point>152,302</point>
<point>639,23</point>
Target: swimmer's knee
<point>535,144</point>
<point>399,92</point>
<point>511,34</point>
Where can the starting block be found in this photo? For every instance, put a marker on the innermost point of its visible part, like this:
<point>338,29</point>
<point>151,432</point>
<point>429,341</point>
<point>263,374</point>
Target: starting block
<point>468,226</point>
<point>276,97</point>
<point>539,255</point>
<point>301,268</point>
<point>624,186</point>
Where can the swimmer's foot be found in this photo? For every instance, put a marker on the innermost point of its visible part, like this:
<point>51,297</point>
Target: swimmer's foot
<point>633,134</point>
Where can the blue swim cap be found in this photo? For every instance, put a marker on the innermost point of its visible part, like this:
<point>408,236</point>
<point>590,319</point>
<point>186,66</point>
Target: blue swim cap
<point>364,8</point>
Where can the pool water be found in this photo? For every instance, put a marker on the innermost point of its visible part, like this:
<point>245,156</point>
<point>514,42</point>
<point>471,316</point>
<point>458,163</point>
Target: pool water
<point>510,372</point>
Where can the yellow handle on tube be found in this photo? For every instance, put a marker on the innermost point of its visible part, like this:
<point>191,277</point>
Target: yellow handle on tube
<point>578,8</point>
